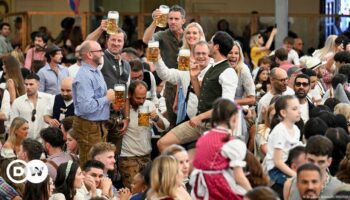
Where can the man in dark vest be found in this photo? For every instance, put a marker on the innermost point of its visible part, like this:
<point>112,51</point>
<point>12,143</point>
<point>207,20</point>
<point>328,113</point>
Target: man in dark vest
<point>219,81</point>
<point>63,104</point>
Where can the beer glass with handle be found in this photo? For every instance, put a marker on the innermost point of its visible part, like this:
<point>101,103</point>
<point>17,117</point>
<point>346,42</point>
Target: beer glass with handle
<point>161,21</point>
<point>112,22</point>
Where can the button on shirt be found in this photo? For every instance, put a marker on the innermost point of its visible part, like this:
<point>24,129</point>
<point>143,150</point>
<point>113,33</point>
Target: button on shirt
<point>89,94</point>
<point>22,107</point>
<point>50,82</point>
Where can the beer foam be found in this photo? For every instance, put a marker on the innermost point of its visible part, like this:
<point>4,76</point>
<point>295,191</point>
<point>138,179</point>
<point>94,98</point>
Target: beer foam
<point>164,9</point>
<point>113,15</point>
<point>153,44</point>
<point>119,88</point>
<point>185,52</point>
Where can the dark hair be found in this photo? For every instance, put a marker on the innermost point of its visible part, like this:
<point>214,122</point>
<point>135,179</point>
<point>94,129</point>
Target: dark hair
<point>308,72</point>
<point>331,103</point>
<point>119,31</point>
<point>256,176</point>
<point>13,71</point>
<point>225,42</point>
<point>265,83</point>
<point>319,109</point>
<point>146,173</point>
<point>4,24</point>
<point>314,126</point>
<point>308,167</point>
<point>342,57</point>
<point>328,118</point>
<point>53,136</point>
<point>340,139</point>
<point>294,154</point>
<point>136,65</point>
<point>343,173</point>
<point>41,35</point>
<point>281,54</point>
<point>223,109</point>
<point>67,123</point>
<point>37,65</point>
<point>280,104</point>
<point>341,122</point>
<point>33,148</point>
<point>65,184</point>
<point>288,40</point>
<point>93,164</point>
<point>262,193</point>
<point>134,84</point>
<point>130,50</point>
<point>37,191</point>
<point>177,8</point>
<point>319,145</point>
<point>338,79</point>
<point>302,76</point>
<point>32,76</point>
<point>345,69</point>
<point>265,60</point>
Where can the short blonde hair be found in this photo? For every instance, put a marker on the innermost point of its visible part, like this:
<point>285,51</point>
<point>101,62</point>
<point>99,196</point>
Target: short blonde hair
<point>343,109</point>
<point>101,148</point>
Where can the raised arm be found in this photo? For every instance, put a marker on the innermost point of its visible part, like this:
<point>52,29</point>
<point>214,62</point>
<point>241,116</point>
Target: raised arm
<point>148,34</point>
<point>96,34</point>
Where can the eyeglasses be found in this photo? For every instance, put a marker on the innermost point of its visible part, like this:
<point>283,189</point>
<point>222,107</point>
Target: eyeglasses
<point>100,50</point>
<point>282,79</point>
<point>33,114</point>
<point>304,84</point>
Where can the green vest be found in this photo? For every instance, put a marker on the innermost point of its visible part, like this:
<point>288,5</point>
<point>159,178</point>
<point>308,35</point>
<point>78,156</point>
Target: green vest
<point>211,88</point>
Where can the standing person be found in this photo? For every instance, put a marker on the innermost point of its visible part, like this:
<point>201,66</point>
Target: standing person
<point>302,88</point>
<point>37,53</point>
<point>309,181</point>
<point>52,74</point>
<point>283,137</point>
<point>258,49</point>
<point>32,106</point>
<point>219,81</point>
<point>5,43</point>
<point>169,44</point>
<point>222,156</point>
<point>91,100</point>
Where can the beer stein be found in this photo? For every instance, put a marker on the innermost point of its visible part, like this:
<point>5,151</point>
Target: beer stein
<point>161,21</point>
<point>112,22</point>
<point>120,96</point>
<point>184,60</point>
<point>152,52</point>
<point>144,116</point>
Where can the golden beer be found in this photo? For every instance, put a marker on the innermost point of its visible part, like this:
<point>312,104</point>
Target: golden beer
<point>162,20</point>
<point>184,60</point>
<point>144,116</point>
<point>119,92</point>
<point>112,22</point>
<point>152,52</point>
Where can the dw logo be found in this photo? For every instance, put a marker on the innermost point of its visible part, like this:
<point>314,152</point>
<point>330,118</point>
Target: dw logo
<point>34,171</point>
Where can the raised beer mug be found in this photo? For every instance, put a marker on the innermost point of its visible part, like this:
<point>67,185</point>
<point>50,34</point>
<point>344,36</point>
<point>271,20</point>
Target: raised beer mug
<point>120,96</point>
<point>184,60</point>
<point>163,18</point>
<point>112,22</point>
<point>144,116</point>
<point>152,52</point>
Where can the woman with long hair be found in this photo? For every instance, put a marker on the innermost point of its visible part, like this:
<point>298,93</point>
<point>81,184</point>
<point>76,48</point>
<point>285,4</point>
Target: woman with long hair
<point>17,133</point>
<point>262,83</point>
<point>166,177</point>
<point>14,78</point>
<point>38,191</point>
<point>343,173</point>
<point>255,172</point>
<point>257,47</point>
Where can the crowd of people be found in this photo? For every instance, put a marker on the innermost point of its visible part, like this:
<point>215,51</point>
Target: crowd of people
<point>264,126</point>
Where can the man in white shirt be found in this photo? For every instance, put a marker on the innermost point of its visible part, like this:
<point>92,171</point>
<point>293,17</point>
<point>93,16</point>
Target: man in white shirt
<point>302,88</point>
<point>73,70</point>
<point>136,144</point>
<point>32,106</point>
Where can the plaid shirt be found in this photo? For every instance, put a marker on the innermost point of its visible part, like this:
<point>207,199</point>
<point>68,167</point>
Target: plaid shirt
<point>6,191</point>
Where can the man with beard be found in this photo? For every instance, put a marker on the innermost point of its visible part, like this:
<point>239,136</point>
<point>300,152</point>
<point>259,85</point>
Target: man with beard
<point>309,181</point>
<point>91,100</point>
<point>301,88</point>
<point>63,104</point>
<point>52,73</point>
<point>37,53</point>
<point>136,145</point>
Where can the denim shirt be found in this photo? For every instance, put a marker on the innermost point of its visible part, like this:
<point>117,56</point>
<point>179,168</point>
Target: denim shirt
<point>50,82</point>
<point>89,94</point>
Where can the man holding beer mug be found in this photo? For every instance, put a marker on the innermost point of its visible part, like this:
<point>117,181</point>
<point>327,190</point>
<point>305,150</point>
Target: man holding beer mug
<point>136,144</point>
<point>170,40</point>
<point>91,100</point>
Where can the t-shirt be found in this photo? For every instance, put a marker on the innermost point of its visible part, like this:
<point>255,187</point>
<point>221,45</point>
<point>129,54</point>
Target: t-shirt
<point>256,55</point>
<point>304,108</point>
<point>279,138</point>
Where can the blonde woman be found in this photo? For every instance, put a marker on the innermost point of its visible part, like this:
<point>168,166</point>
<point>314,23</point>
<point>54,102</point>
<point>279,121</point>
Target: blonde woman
<point>18,132</point>
<point>193,33</point>
<point>166,177</point>
<point>343,109</point>
<point>258,49</point>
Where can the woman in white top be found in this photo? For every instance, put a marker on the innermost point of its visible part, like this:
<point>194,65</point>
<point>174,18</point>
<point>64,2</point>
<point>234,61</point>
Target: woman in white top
<point>283,137</point>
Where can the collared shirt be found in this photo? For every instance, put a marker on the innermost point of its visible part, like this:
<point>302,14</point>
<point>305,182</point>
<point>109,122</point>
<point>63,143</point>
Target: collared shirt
<point>22,107</point>
<point>58,159</point>
<point>38,55</point>
<point>5,45</point>
<point>137,139</point>
<point>228,80</point>
<point>89,94</point>
<point>6,191</point>
<point>50,82</point>
<point>73,70</point>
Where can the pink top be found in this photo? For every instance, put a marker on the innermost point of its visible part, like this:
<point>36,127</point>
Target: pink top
<point>286,65</point>
<point>38,55</point>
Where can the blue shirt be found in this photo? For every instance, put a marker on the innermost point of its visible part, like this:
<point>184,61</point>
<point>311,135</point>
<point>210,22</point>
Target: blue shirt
<point>49,81</point>
<point>89,94</point>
